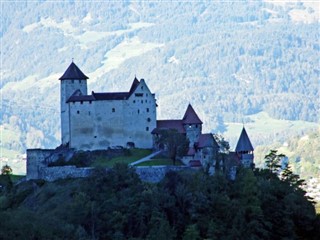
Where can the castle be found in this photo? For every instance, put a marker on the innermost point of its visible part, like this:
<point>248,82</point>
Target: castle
<point>127,119</point>
<point>102,120</point>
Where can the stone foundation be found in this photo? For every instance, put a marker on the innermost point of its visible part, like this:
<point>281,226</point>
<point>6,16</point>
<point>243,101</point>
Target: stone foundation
<point>148,174</point>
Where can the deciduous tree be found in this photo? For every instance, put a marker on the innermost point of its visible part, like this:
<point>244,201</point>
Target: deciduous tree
<point>175,143</point>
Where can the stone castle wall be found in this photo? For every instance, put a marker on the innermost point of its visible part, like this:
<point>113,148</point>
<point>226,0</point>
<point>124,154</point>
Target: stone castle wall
<point>36,161</point>
<point>148,174</point>
<point>140,118</point>
<point>67,88</point>
<point>54,173</point>
<point>106,123</point>
<point>96,124</point>
<point>193,132</point>
<point>157,173</point>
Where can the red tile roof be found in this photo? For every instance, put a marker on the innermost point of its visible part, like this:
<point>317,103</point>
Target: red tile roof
<point>169,124</point>
<point>195,163</point>
<point>191,117</point>
<point>206,140</point>
<point>73,72</point>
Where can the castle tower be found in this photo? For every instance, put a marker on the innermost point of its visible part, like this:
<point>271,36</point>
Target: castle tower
<point>192,125</point>
<point>244,150</point>
<point>71,81</point>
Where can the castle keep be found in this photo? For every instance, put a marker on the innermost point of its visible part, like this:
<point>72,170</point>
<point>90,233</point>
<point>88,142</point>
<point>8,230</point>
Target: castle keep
<point>99,121</point>
<point>102,120</point>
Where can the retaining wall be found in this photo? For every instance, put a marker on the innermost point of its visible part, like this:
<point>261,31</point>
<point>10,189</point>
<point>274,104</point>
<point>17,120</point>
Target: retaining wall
<point>148,174</point>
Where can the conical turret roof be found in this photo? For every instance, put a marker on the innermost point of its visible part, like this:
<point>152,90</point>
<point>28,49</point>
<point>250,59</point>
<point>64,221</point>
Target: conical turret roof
<point>190,117</point>
<point>244,143</point>
<point>73,72</point>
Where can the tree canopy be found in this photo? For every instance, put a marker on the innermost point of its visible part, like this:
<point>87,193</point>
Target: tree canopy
<point>184,205</point>
<point>6,170</point>
<point>176,144</point>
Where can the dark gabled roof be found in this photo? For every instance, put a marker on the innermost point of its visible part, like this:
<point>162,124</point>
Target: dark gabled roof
<point>73,72</point>
<point>77,97</point>
<point>111,96</point>
<point>207,140</point>
<point>134,85</point>
<point>190,117</point>
<point>244,143</point>
<point>169,124</point>
<point>104,96</point>
<point>81,98</point>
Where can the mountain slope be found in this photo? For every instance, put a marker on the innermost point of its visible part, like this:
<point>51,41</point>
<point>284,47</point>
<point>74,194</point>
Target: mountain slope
<point>228,59</point>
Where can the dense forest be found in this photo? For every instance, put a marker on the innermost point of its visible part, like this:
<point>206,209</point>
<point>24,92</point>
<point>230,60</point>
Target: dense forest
<point>184,205</point>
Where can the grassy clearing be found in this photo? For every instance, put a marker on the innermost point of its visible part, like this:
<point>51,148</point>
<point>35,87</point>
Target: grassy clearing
<point>263,125</point>
<point>159,162</point>
<point>135,154</point>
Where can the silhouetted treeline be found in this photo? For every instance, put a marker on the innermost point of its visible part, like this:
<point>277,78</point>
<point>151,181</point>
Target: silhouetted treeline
<point>185,205</point>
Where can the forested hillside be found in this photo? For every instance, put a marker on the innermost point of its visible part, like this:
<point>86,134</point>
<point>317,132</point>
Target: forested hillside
<point>185,205</point>
<point>228,59</point>
<point>303,152</point>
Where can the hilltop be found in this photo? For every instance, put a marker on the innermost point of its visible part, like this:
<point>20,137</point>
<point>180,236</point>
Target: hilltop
<point>230,60</point>
<point>185,205</point>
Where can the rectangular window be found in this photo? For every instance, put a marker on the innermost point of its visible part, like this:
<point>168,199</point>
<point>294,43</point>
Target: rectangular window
<point>90,102</point>
<point>78,112</point>
<point>147,109</point>
<point>81,102</point>
<point>147,129</point>
<point>113,109</point>
<point>139,94</point>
